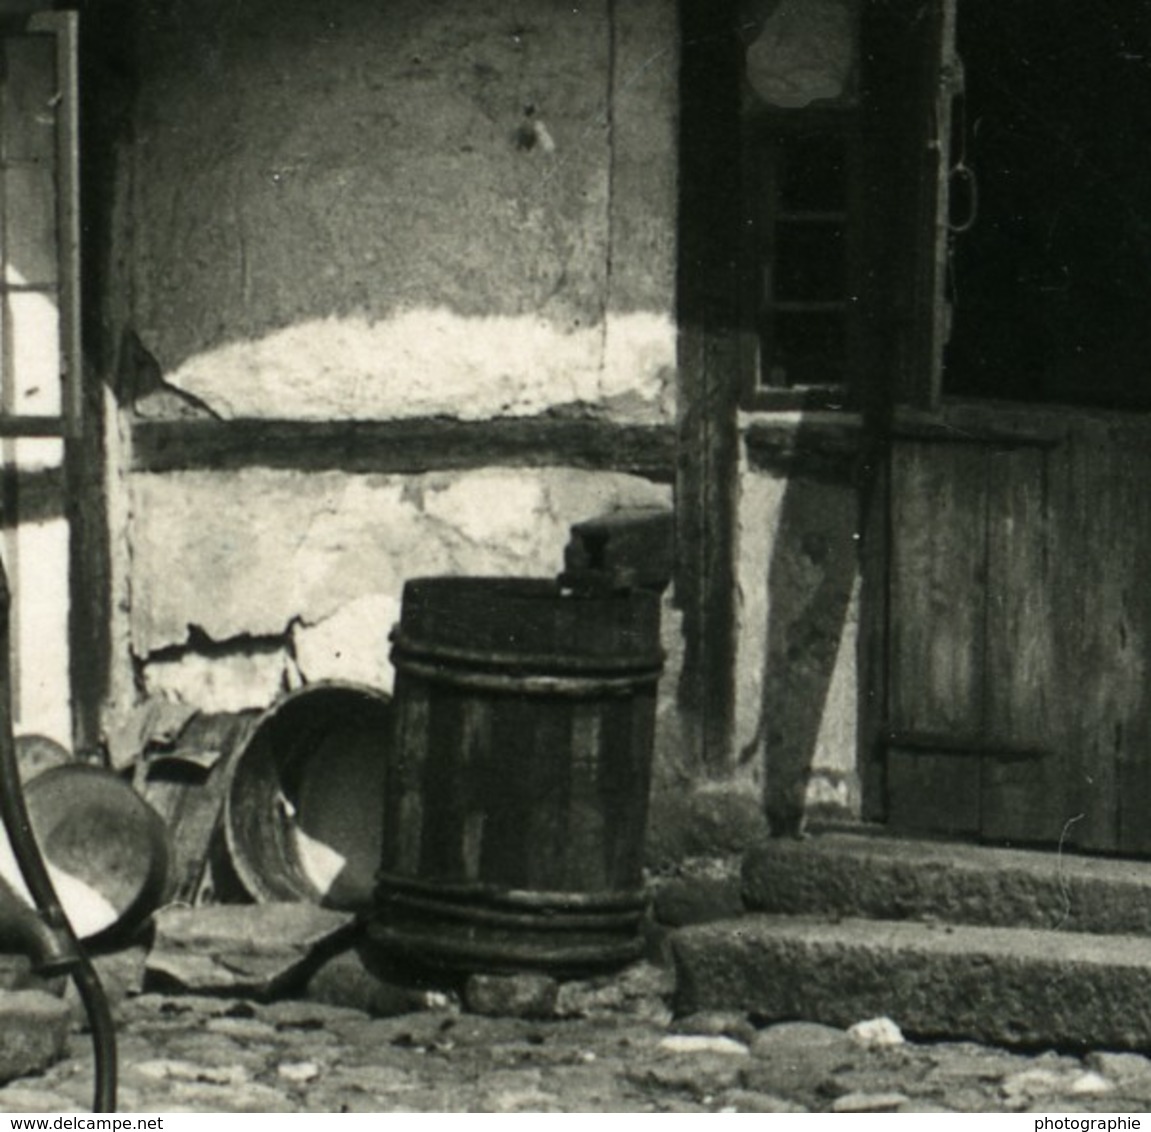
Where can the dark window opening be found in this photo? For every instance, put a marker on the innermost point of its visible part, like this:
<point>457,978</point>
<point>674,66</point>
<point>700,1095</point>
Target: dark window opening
<point>1051,286</point>
<point>799,199</point>
<point>841,137</point>
<point>800,83</point>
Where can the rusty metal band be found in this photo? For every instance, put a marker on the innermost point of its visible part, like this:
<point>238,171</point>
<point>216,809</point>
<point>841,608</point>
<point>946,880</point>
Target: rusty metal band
<point>541,919</point>
<point>404,647</point>
<point>527,684</point>
<point>466,951</point>
<point>615,900</point>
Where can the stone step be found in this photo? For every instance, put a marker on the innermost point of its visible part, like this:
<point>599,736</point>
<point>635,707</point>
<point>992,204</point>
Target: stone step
<point>1008,986</point>
<point>874,877</point>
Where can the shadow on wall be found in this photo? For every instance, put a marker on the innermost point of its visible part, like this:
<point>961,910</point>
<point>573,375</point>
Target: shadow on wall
<point>809,726</point>
<point>364,210</point>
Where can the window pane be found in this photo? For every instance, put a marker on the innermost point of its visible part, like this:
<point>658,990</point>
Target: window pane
<point>803,348</point>
<point>810,262</point>
<point>813,173</point>
<point>29,225</point>
<point>30,98</point>
<point>31,355</point>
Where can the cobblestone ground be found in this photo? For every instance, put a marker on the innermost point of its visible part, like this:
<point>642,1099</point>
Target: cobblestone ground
<point>621,1052</point>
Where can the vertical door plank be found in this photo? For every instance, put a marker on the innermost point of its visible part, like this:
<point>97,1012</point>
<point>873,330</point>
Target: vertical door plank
<point>929,792</point>
<point>1022,796</point>
<point>938,588</point>
<point>1094,551</point>
<point>938,599</point>
<point>1132,641</point>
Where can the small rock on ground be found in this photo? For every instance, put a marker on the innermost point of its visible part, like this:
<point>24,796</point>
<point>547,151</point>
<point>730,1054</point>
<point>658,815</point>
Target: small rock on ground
<point>345,981</point>
<point>642,990</point>
<point>1090,1084</point>
<point>790,1036</point>
<point>1119,1066</point>
<point>298,1072</point>
<point>869,1102</point>
<point>745,1100</point>
<point>511,996</point>
<point>876,1032</point>
<point>718,1023</point>
<point>702,1043</point>
<point>200,1054</point>
<point>33,1032</point>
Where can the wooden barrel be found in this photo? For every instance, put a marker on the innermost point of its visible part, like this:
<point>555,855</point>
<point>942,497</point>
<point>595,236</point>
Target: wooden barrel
<point>516,783</point>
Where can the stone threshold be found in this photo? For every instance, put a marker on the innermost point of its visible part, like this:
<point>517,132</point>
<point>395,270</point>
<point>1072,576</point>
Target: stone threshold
<point>1010,986</point>
<point>862,874</point>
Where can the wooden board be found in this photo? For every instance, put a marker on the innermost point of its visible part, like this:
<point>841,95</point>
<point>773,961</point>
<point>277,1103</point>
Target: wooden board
<point>1019,623</point>
<point>938,589</point>
<point>1021,794</point>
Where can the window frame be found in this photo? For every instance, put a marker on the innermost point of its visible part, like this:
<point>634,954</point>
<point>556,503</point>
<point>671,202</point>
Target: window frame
<point>900,167</point>
<point>765,131</point>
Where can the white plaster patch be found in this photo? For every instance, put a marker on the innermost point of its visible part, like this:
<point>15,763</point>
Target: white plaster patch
<point>36,564</point>
<point>37,557</point>
<point>434,362</point>
<point>836,743</point>
<point>251,551</point>
<point>834,779</point>
<point>33,352</point>
<point>221,683</point>
<point>351,645</point>
<point>829,792</point>
<point>490,508</point>
<point>760,507</point>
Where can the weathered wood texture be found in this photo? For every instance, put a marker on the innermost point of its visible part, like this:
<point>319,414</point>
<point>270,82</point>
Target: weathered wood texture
<point>516,789</point>
<point>910,57</point>
<point>708,307</point>
<point>406,446</point>
<point>1019,623</point>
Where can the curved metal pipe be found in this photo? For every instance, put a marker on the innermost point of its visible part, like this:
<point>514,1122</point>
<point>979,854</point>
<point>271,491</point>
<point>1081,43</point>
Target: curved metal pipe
<point>51,944</point>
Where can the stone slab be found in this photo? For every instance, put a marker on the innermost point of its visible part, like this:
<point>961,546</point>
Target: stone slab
<point>1000,985</point>
<point>860,875</point>
<point>243,949</point>
<point>34,1030</point>
<point>521,995</point>
<point>698,891</point>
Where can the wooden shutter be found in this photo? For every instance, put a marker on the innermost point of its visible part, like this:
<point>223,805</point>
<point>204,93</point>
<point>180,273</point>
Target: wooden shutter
<point>912,74</point>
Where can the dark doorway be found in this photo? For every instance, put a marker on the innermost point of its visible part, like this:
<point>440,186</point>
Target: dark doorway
<point>1051,284</point>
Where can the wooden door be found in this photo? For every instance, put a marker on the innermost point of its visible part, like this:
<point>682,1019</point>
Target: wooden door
<point>1019,630</point>
<point>1019,616</point>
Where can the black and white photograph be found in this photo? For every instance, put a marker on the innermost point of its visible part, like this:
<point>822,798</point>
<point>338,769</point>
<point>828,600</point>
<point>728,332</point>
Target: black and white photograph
<point>575,557</point>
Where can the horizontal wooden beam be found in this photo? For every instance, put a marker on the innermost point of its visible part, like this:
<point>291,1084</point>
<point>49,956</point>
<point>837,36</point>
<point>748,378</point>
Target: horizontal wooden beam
<point>13,424</point>
<point>31,495</point>
<point>994,424</point>
<point>945,743</point>
<point>405,446</point>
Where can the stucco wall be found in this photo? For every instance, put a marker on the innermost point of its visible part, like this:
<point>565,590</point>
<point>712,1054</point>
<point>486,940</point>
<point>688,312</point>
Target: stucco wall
<point>284,577</point>
<point>356,210</point>
<point>797,693</point>
<point>367,210</point>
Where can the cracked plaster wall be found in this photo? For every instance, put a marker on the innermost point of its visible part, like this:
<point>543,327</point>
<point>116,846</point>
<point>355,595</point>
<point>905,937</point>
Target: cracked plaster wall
<point>288,577</point>
<point>359,210</point>
<point>798,634</point>
<point>355,210</point>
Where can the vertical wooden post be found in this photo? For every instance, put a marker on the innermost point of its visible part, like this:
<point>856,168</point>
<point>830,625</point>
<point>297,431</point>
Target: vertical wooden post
<point>709,373</point>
